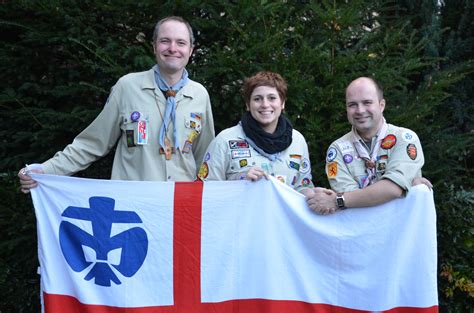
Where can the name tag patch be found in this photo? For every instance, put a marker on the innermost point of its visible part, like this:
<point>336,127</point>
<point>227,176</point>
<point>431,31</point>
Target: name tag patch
<point>240,153</point>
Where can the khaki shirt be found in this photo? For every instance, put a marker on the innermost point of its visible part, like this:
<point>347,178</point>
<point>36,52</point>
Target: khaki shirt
<point>400,162</point>
<point>230,156</point>
<point>138,92</point>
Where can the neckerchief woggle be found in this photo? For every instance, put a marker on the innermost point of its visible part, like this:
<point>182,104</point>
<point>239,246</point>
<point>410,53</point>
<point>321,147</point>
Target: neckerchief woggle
<point>363,154</point>
<point>170,111</point>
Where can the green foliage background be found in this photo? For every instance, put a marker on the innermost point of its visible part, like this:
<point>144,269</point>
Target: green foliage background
<point>59,59</point>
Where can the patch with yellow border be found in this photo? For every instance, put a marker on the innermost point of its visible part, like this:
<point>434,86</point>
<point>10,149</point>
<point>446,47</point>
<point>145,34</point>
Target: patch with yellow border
<point>203,171</point>
<point>332,170</point>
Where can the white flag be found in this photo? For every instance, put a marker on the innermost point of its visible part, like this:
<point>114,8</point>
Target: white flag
<point>235,246</point>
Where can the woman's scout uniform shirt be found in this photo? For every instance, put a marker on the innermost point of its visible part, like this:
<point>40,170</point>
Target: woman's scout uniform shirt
<point>133,116</point>
<point>400,159</point>
<point>230,156</point>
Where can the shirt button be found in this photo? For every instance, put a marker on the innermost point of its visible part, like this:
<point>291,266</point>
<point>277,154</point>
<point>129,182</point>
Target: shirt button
<point>169,177</point>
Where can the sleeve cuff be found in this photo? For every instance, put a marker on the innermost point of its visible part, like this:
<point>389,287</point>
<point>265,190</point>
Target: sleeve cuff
<point>399,180</point>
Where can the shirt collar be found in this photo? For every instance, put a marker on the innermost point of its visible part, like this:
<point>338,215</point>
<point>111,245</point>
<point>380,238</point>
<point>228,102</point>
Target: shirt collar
<point>149,83</point>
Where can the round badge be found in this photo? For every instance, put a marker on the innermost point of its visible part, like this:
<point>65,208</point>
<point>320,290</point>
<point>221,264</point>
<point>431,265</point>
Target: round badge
<point>389,141</point>
<point>306,181</point>
<point>331,155</point>
<point>348,158</point>
<point>243,163</point>
<point>135,116</point>
<point>304,166</point>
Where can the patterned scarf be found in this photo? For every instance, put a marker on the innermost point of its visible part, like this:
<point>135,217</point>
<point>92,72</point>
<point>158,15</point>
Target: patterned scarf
<point>363,153</point>
<point>170,111</point>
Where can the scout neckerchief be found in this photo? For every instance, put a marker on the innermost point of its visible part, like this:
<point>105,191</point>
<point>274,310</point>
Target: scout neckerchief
<point>265,143</point>
<point>170,111</point>
<point>363,153</point>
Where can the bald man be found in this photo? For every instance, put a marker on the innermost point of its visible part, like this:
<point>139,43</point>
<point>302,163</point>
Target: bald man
<point>372,164</point>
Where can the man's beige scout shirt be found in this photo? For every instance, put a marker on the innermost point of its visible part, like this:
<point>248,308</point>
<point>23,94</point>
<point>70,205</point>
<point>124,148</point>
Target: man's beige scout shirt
<point>399,159</point>
<point>118,124</point>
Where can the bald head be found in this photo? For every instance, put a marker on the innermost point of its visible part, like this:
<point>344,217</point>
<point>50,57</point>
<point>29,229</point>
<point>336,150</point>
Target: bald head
<point>361,81</point>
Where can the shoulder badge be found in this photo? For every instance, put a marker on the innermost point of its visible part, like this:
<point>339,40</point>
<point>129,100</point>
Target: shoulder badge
<point>203,171</point>
<point>411,151</point>
<point>348,158</point>
<point>332,170</point>
<point>304,166</point>
<point>331,155</point>
<point>408,136</point>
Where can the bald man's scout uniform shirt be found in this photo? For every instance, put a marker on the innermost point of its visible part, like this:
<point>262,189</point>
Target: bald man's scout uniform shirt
<point>399,159</point>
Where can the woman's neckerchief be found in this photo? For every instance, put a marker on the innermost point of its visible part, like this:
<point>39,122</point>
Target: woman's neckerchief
<point>268,145</point>
<point>170,111</point>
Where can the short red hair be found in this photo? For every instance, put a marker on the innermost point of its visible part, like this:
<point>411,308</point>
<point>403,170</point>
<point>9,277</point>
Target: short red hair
<point>264,78</point>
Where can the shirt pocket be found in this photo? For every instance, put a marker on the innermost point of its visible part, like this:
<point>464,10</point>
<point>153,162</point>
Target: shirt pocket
<point>136,128</point>
<point>194,121</point>
<point>240,165</point>
<point>192,129</point>
<point>357,167</point>
<point>241,160</point>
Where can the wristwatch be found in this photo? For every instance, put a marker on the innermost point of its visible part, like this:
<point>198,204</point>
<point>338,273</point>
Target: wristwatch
<point>341,205</point>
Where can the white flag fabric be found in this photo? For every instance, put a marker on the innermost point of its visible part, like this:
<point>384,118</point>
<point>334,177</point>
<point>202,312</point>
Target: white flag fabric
<point>233,246</point>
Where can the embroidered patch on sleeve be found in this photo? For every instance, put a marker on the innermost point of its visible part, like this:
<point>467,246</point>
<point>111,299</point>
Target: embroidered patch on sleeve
<point>331,155</point>
<point>347,158</point>
<point>304,166</point>
<point>408,136</point>
<point>294,165</point>
<point>332,170</point>
<point>203,171</point>
<point>411,151</point>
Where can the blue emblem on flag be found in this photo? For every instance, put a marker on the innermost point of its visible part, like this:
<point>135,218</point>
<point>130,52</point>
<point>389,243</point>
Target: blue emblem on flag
<point>125,251</point>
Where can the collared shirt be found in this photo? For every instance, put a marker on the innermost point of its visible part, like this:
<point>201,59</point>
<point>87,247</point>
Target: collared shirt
<point>399,159</point>
<point>230,156</point>
<point>132,118</point>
